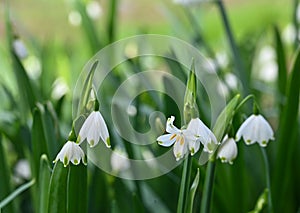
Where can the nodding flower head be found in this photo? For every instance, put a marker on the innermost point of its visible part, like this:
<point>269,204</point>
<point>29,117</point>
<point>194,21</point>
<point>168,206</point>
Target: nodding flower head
<point>255,129</point>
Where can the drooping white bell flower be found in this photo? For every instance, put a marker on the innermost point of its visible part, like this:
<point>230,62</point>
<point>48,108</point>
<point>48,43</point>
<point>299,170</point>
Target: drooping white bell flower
<point>202,134</point>
<point>187,139</point>
<point>176,136</point>
<point>93,129</point>
<point>227,151</point>
<point>71,151</point>
<point>255,129</point>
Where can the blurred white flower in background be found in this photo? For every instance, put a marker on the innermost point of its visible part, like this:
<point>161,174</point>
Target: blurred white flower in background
<point>94,10</point>
<point>131,110</point>
<point>119,160</point>
<point>222,59</point>
<point>74,18</point>
<point>60,88</point>
<point>222,88</point>
<point>190,2</point>
<point>267,65</point>
<point>33,66</point>
<point>289,34</point>
<point>71,151</point>
<point>22,171</point>
<point>20,48</point>
<point>255,129</point>
<point>227,151</point>
<point>231,81</point>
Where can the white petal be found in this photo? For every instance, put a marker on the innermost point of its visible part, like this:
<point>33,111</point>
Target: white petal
<point>194,146</point>
<point>265,131</point>
<point>227,152</point>
<point>70,152</point>
<point>103,129</point>
<point>166,140</point>
<point>203,134</point>
<point>84,131</point>
<point>170,128</point>
<point>180,148</point>
<point>93,136</point>
<point>255,129</point>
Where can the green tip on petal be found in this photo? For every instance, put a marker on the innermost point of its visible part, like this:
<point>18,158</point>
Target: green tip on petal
<point>192,150</point>
<point>108,142</point>
<point>66,161</point>
<point>78,139</point>
<point>264,142</point>
<point>159,142</point>
<point>92,142</point>
<point>76,162</point>
<point>248,141</point>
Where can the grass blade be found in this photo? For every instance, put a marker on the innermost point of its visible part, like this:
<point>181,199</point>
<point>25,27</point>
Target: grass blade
<point>18,191</point>
<point>58,189</point>
<point>5,184</point>
<point>43,183</point>
<point>284,184</point>
<point>77,189</point>
<point>193,192</point>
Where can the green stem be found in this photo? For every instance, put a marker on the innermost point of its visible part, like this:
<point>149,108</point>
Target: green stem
<point>296,24</point>
<point>244,101</point>
<point>239,68</point>
<point>208,187</point>
<point>112,20</point>
<point>268,182</point>
<point>184,185</point>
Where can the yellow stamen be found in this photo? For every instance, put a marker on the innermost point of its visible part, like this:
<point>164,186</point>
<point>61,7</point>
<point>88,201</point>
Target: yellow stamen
<point>172,136</point>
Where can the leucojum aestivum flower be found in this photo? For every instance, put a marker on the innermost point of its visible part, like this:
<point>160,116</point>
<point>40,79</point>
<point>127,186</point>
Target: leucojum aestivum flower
<point>190,138</point>
<point>93,129</point>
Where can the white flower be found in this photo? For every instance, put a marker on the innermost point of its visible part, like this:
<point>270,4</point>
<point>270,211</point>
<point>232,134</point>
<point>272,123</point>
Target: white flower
<point>176,136</point>
<point>119,161</point>
<point>255,129</point>
<point>202,134</point>
<point>187,139</point>
<point>71,151</point>
<point>93,129</point>
<point>20,48</point>
<point>227,152</point>
<point>189,2</point>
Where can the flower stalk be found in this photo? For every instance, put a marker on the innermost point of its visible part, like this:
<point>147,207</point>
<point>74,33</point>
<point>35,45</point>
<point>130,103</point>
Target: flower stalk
<point>190,111</point>
<point>239,67</point>
<point>268,180</point>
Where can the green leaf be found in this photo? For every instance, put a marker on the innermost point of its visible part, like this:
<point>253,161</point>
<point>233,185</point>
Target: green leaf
<point>225,118</point>
<point>57,199</point>
<point>193,192</point>
<point>281,61</point>
<point>86,90</point>
<point>261,202</point>
<point>45,134</point>
<point>5,184</point>
<point>26,92</point>
<point>88,26</point>
<point>43,184</point>
<point>190,109</point>
<point>77,189</point>
<point>17,192</point>
<point>287,142</point>
<point>111,26</point>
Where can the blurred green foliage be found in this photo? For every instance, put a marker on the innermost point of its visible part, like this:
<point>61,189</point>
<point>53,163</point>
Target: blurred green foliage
<point>36,116</point>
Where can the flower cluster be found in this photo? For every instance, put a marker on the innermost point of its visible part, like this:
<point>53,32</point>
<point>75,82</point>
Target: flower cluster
<point>190,138</point>
<point>92,130</point>
<point>254,129</point>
